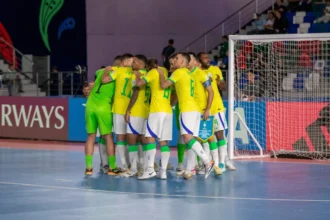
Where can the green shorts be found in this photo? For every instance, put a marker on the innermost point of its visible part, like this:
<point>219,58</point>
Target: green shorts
<point>98,117</point>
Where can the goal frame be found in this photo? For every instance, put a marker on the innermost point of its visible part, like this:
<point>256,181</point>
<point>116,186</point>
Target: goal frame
<point>231,79</point>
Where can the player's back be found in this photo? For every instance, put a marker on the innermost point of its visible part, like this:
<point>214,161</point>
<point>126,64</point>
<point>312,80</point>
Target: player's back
<point>101,94</point>
<point>123,91</point>
<point>141,105</point>
<point>160,98</point>
<point>184,87</point>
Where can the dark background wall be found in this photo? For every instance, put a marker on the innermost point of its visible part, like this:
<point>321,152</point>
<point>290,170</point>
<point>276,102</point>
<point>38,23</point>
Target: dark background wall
<point>21,20</point>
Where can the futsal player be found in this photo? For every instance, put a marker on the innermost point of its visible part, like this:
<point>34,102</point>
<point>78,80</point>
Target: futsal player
<point>123,83</point>
<point>218,110</point>
<point>203,95</point>
<point>98,115</point>
<point>159,123</point>
<point>136,115</point>
<point>102,145</point>
<point>189,111</point>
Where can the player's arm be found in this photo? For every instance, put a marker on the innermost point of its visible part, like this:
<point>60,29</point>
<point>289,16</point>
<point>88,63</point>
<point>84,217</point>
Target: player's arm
<point>210,92</point>
<point>220,80</point>
<point>132,102</point>
<point>106,77</point>
<point>164,84</point>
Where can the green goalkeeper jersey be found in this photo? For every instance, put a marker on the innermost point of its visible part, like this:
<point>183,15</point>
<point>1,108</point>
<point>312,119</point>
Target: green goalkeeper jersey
<point>101,94</point>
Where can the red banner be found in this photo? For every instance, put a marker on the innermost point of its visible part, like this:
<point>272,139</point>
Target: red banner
<point>303,126</point>
<point>34,117</point>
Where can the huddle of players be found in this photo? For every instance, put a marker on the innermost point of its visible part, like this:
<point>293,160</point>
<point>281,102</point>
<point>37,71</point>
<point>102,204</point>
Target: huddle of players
<point>125,89</point>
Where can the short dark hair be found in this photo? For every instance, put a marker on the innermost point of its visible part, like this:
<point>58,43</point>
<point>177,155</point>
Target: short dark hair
<point>225,37</point>
<point>102,67</point>
<point>185,56</point>
<point>118,57</point>
<point>171,41</point>
<point>126,56</point>
<point>142,58</point>
<point>172,56</point>
<point>152,63</point>
<point>199,55</point>
<point>193,55</point>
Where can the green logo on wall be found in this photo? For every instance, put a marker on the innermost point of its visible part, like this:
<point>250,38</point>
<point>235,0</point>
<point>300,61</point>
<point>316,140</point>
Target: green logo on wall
<point>48,10</point>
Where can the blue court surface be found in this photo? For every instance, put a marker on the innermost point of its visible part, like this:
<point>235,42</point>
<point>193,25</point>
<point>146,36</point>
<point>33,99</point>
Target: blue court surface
<point>50,184</point>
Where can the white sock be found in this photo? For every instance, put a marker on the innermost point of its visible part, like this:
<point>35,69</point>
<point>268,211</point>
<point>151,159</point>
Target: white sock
<point>198,149</point>
<point>215,156</point>
<point>127,156</point>
<point>150,156</point>
<point>223,154</point>
<point>121,148</point>
<point>206,148</point>
<point>191,160</point>
<point>165,156</point>
<point>140,156</point>
<point>103,152</point>
<point>133,155</point>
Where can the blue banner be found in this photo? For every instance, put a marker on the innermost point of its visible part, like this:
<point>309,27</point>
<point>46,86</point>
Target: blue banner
<point>77,127</point>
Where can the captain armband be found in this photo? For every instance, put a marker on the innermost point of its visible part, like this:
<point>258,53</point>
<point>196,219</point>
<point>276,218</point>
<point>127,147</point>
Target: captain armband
<point>207,83</point>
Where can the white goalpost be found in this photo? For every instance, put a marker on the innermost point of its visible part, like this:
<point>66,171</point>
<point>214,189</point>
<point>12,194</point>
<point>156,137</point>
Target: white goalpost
<point>279,96</point>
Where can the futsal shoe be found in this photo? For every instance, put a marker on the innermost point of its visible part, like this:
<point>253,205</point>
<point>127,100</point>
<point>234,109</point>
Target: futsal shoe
<point>222,167</point>
<point>130,173</point>
<point>162,174</point>
<point>217,170</point>
<point>230,166</point>
<point>147,174</point>
<point>187,175</point>
<point>114,172</point>
<point>200,170</point>
<point>89,171</point>
<point>105,169</point>
<point>180,167</point>
<point>209,168</point>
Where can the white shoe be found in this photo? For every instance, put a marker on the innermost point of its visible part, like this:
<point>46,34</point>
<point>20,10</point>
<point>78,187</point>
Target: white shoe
<point>200,170</point>
<point>180,167</point>
<point>222,167</point>
<point>162,174</point>
<point>147,174</point>
<point>230,166</point>
<point>130,174</point>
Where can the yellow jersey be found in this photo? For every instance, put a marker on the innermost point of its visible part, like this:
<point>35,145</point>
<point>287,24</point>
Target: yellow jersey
<point>141,105</point>
<point>184,87</point>
<point>200,94</point>
<point>214,72</point>
<point>160,98</point>
<point>123,92</point>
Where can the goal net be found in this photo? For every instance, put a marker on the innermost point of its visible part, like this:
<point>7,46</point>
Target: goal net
<point>279,96</point>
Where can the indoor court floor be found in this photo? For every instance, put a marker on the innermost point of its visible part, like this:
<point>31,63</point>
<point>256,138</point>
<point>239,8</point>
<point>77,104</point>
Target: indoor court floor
<point>45,180</point>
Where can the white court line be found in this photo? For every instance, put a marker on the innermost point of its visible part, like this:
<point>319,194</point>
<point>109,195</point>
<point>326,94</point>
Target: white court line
<point>65,180</point>
<point>164,195</point>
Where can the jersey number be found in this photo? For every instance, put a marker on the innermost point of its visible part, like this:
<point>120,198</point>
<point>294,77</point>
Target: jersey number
<point>192,88</point>
<point>167,92</point>
<point>124,89</point>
